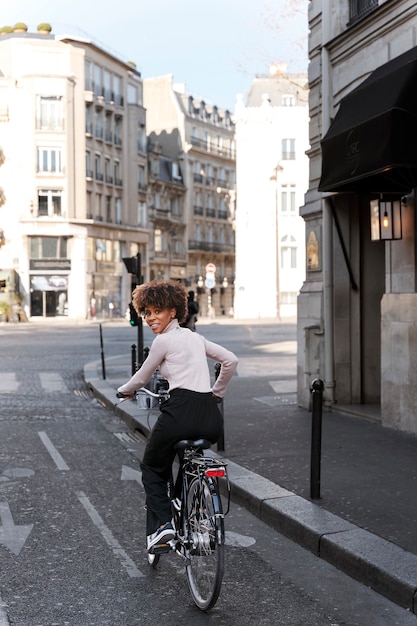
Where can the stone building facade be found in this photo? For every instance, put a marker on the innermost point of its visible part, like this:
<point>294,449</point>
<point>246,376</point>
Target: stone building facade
<point>357,310</point>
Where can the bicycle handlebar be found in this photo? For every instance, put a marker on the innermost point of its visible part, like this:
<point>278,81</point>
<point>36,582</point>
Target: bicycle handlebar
<point>160,394</point>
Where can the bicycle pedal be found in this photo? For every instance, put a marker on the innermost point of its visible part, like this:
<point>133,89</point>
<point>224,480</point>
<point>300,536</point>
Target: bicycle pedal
<point>161,548</point>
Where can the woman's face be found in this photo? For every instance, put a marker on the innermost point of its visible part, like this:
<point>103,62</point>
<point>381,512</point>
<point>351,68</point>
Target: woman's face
<point>158,319</point>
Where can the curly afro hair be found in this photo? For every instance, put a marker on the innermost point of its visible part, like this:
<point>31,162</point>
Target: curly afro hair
<point>162,294</point>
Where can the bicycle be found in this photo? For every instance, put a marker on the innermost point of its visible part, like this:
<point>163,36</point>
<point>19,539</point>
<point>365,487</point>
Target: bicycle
<point>198,517</point>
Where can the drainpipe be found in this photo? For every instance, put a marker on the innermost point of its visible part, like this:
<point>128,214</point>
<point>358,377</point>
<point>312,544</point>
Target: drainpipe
<point>328,313</point>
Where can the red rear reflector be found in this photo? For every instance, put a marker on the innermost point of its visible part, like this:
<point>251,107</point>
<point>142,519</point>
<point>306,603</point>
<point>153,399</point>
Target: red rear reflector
<point>216,472</point>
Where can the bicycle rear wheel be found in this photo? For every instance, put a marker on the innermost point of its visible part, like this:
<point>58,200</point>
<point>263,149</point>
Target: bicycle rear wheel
<point>205,533</point>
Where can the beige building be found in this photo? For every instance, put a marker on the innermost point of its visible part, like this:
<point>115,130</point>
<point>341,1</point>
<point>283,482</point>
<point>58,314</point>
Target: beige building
<point>357,311</point>
<point>272,178</point>
<point>200,138</point>
<point>73,139</point>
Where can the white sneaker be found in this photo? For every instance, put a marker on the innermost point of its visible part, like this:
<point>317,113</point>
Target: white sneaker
<point>164,534</point>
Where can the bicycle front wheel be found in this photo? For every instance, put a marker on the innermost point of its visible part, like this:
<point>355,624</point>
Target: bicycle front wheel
<point>205,534</point>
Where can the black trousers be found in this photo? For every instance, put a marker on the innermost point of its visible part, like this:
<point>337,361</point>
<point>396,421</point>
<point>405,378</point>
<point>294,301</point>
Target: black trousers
<point>186,415</point>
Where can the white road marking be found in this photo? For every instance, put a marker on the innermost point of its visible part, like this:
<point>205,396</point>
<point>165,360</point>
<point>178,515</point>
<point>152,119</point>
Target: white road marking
<point>59,461</point>
<point>128,473</point>
<point>4,620</point>
<point>8,382</point>
<point>108,537</point>
<point>52,381</point>
<point>239,541</point>
<point>12,536</point>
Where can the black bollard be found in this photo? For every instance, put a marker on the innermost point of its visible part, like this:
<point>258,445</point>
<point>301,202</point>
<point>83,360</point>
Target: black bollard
<point>317,392</point>
<point>220,443</point>
<point>133,358</point>
<point>103,365</point>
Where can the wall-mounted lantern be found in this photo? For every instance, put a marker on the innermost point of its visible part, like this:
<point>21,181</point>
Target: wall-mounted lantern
<point>386,219</point>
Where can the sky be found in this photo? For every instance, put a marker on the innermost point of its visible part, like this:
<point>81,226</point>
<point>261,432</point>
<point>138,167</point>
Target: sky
<point>215,47</point>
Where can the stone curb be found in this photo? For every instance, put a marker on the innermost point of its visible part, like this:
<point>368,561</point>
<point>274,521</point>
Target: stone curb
<point>366,557</point>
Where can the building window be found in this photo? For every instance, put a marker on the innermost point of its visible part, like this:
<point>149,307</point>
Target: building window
<point>98,216</point>
<point>360,8</point>
<point>108,209</point>
<point>288,252</point>
<point>108,135</point>
<point>142,214</point>
<point>97,167</point>
<point>89,205</point>
<point>107,85</point>
<point>289,297</point>
<point>141,178</point>
<point>88,168</point>
<point>50,113</point>
<point>288,100</point>
<point>48,247</point>
<point>117,174</point>
<point>132,94</point>
<point>107,171</point>
<point>97,82</point>
<point>98,125</point>
<point>118,210</point>
<point>288,199</point>
<point>49,160</point>
<point>117,87</point>
<point>88,80</point>
<point>142,139</point>
<point>158,240</point>
<point>49,202</point>
<point>175,206</point>
<point>88,120</point>
<point>288,149</point>
<point>118,131</point>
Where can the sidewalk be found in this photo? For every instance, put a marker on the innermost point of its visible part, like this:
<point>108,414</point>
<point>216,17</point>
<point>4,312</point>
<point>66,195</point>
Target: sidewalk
<point>365,522</point>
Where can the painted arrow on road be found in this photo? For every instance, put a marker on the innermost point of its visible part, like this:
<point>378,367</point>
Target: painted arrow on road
<point>11,536</point>
<point>128,473</point>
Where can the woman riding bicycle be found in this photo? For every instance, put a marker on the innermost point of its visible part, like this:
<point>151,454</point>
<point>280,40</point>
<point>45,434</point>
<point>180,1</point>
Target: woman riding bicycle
<point>192,410</point>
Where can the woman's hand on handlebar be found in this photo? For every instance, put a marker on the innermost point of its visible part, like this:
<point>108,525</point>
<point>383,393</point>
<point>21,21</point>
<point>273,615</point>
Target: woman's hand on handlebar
<point>125,396</point>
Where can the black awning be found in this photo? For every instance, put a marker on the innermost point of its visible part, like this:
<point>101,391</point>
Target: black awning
<point>371,145</point>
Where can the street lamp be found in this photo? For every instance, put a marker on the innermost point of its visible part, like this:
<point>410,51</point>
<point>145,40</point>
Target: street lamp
<point>386,219</point>
<point>278,168</point>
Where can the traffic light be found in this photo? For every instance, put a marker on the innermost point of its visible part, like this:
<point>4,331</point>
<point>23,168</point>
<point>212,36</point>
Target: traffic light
<point>134,317</point>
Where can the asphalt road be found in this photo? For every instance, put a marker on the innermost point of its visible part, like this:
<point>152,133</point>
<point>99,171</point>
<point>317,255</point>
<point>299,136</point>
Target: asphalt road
<point>72,509</point>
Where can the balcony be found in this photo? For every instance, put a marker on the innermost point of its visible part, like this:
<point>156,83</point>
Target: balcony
<point>109,179</point>
<point>211,246</point>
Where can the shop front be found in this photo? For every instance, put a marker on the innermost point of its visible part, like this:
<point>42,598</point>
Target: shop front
<point>364,345</point>
<point>49,287</point>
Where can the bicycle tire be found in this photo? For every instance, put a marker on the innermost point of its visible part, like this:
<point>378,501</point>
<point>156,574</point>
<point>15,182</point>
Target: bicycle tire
<point>205,531</point>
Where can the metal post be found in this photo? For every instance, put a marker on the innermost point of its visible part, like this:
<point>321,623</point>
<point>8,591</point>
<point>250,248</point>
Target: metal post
<point>133,358</point>
<point>220,442</point>
<point>140,324</point>
<point>103,365</point>
<point>317,393</point>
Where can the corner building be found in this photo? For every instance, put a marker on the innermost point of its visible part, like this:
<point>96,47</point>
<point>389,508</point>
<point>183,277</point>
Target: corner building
<point>357,310</point>
<point>200,138</point>
<point>73,139</point>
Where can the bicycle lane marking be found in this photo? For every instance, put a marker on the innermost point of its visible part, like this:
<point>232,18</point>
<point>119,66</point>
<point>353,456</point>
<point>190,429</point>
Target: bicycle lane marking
<point>108,537</point>
<point>95,517</point>
<point>4,620</point>
<point>57,458</point>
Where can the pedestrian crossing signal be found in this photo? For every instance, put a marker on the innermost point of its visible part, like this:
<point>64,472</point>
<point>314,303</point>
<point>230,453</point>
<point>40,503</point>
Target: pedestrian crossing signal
<point>134,317</point>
